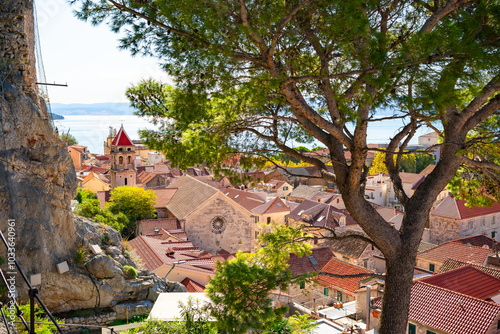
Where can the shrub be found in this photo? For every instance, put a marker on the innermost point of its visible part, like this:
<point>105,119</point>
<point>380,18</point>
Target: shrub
<point>129,272</point>
<point>81,256</point>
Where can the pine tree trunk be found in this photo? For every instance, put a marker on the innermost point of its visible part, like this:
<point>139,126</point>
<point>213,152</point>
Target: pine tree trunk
<point>396,298</point>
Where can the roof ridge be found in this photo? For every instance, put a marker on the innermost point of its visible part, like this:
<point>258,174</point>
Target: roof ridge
<point>151,248</point>
<point>449,243</point>
<point>462,268</point>
<point>472,264</point>
<point>368,271</point>
<point>457,293</point>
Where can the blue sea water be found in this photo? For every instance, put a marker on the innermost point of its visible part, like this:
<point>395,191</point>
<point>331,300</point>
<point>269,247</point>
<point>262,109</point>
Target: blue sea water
<point>91,131</point>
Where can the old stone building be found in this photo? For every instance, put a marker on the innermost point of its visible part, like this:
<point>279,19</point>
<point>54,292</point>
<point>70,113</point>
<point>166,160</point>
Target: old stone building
<point>212,221</point>
<point>453,220</point>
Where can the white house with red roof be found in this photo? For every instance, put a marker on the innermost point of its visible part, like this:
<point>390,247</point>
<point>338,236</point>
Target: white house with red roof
<point>123,171</point>
<point>451,219</point>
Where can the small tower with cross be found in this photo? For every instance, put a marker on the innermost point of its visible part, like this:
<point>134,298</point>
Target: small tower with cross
<point>123,171</point>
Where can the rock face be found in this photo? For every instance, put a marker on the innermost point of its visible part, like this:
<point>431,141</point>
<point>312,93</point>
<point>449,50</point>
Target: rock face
<point>99,281</point>
<point>37,183</point>
<point>37,179</point>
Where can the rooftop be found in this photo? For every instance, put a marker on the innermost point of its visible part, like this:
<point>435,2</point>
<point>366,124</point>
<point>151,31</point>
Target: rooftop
<point>454,208</point>
<point>456,250</point>
<point>467,280</point>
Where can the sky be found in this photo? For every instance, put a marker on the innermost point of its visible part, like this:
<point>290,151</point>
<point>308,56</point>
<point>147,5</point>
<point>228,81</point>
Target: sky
<point>87,58</point>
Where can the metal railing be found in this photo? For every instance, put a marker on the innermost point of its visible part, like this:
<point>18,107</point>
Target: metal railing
<point>32,293</point>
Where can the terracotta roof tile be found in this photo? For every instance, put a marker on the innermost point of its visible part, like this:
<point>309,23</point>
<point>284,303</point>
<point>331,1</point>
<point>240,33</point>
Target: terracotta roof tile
<point>164,196</point>
<point>302,265</point>
<point>121,139</point>
<point>95,169</point>
<point>450,311</point>
<point>273,206</point>
<point>190,194</point>
<point>319,214</point>
<point>451,207</point>
<point>192,285</point>
<point>246,199</point>
<point>149,225</point>
<point>350,247</point>
<point>451,264</point>
<point>153,253</point>
<point>479,240</point>
<point>467,280</point>
<point>347,285</point>
<point>456,250</point>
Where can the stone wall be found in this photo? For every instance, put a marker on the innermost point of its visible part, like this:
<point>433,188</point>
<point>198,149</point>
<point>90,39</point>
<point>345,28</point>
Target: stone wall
<point>238,233</point>
<point>17,56</point>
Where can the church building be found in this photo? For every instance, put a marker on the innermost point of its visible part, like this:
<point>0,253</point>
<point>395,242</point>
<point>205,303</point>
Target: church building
<point>122,151</point>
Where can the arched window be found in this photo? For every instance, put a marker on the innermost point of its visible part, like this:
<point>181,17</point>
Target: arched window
<point>128,149</point>
<point>120,160</point>
<point>129,160</point>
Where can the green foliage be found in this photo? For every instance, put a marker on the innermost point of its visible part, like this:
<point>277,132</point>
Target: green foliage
<point>83,194</point>
<point>410,162</point>
<point>134,319</point>
<point>240,288</point>
<point>88,208</point>
<point>129,272</point>
<point>422,160</point>
<point>39,317</point>
<point>133,202</point>
<point>81,256</point>
<point>195,320</point>
<point>296,324</point>
<point>68,138</point>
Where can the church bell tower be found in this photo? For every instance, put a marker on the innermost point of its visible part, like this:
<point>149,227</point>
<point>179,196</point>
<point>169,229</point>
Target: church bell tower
<point>123,171</point>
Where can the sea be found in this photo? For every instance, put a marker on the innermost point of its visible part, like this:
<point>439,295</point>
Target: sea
<point>92,130</point>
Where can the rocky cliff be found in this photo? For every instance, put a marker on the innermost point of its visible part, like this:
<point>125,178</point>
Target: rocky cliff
<point>37,183</point>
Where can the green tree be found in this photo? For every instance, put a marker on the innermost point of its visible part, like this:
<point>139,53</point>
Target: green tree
<point>84,194</point>
<point>240,288</point>
<point>261,77</point>
<point>68,138</point>
<point>378,164</point>
<point>89,206</point>
<point>422,160</point>
<point>134,202</point>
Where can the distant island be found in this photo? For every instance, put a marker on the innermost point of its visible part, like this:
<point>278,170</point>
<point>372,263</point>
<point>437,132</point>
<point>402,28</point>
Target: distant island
<point>57,117</point>
<point>95,109</point>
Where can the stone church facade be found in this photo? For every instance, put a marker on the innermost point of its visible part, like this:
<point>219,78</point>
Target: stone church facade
<point>220,223</point>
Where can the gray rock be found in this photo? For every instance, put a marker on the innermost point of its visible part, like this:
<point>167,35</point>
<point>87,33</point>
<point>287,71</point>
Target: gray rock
<point>114,251</point>
<point>102,266</point>
<point>132,309</point>
<point>175,287</point>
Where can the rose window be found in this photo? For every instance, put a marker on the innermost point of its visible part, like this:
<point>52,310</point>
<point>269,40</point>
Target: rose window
<point>218,225</point>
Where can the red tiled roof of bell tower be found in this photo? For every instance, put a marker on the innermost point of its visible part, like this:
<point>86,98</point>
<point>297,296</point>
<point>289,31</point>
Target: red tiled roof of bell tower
<point>122,139</point>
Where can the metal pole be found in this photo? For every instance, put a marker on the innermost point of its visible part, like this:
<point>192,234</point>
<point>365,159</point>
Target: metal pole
<point>32,294</point>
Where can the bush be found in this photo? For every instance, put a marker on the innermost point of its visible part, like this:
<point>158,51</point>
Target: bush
<point>81,256</point>
<point>129,272</point>
<point>40,316</point>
